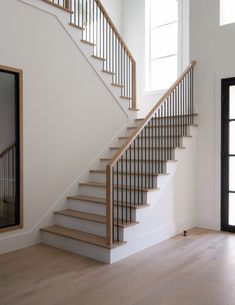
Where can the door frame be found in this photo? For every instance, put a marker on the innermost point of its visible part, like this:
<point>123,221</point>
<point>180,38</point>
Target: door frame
<point>225,84</point>
<point>19,74</point>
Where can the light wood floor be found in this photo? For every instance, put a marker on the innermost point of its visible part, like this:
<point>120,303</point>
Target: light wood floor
<point>197,270</point>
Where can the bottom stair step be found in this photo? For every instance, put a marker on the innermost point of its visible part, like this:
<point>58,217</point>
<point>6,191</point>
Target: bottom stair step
<point>79,236</point>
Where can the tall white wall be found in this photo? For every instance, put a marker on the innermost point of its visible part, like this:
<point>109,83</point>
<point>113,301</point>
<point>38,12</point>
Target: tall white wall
<point>7,110</point>
<point>213,47</point>
<point>114,9</point>
<point>68,113</point>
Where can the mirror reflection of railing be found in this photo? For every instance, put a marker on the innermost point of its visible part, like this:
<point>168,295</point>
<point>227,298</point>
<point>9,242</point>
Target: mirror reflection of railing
<point>7,184</point>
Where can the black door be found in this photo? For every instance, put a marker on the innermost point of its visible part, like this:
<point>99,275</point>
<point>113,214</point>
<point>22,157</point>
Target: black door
<point>228,155</point>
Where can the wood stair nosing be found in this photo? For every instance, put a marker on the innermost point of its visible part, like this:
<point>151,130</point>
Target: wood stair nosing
<point>128,173</point>
<point>139,119</point>
<point>80,236</point>
<point>108,72</point>
<point>169,117</point>
<point>150,137</point>
<point>117,85</point>
<point>154,148</point>
<point>124,187</point>
<point>94,218</point>
<point>162,126</point>
<point>103,201</point>
<point>155,161</point>
<point>173,126</point>
<point>134,109</point>
<point>98,57</point>
<point>77,26</point>
<point>88,42</point>
<point>126,97</point>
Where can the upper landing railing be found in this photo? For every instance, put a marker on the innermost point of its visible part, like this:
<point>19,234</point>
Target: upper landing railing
<point>98,30</point>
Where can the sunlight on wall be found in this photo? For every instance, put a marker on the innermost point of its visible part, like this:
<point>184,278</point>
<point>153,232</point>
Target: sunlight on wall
<point>227,12</point>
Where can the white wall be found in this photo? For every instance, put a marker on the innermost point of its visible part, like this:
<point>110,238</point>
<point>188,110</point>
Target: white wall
<point>114,9</point>
<point>213,47</point>
<point>7,110</point>
<point>69,115</point>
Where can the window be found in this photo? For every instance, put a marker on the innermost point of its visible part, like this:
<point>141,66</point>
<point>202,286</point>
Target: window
<point>161,44</point>
<point>227,11</point>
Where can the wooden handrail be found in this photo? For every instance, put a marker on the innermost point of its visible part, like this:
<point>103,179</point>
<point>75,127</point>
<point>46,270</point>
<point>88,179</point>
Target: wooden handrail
<point>122,42</point>
<point>120,152</point>
<point>7,150</point>
<point>102,8</point>
<point>123,69</point>
<point>124,148</point>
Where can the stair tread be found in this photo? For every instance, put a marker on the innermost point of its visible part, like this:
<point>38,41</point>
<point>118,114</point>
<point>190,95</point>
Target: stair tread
<point>79,236</point>
<point>88,42</point>
<point>103,201</point>
<point>158,161</point>
<point>169,136</point>
<point>108,72</point>
<point>117,85</point>
<point>170,116</point>
<point>92,217</point>
<point>88,198</point>
<point>160,126</point>
<point>98,57</point>
<point>103,185</point>
<point>100,171</point>
<point>133,109</point>
<point>162,147</point>
<point>126,97</point>
<point>172,125</point>
<point>77,26</point>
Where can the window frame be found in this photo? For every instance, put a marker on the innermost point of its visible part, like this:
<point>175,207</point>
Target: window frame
<point>148,32</point>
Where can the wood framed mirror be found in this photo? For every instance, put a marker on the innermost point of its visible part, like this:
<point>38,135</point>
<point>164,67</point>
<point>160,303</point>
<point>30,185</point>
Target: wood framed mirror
<point>11,167</point>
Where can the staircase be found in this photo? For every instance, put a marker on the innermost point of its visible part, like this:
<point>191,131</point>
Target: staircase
<point>90,25</point>
<point>106,219</point>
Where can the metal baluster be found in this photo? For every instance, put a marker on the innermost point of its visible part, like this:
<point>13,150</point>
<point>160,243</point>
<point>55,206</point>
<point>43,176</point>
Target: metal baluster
<point>117,188</point>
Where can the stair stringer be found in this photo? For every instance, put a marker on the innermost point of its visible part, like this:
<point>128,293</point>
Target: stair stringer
<point>86,50</point>
<point>171,208</point>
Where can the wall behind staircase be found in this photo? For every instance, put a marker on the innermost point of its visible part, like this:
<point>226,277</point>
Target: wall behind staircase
<point>114,9</point>
<point>213,47</point>
<point>69,115</point>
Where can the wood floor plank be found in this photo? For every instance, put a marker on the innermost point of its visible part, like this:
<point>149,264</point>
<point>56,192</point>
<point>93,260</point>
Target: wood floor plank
<point>196,270</point>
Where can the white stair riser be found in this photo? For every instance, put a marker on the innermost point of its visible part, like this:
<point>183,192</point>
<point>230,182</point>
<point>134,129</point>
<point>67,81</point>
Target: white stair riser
<point>141,181</point>
<point>84,225</point>
<point>159,167</point>
<point>78,247</point>
<point>100,209</point>
<point>186,120</point>
<point>149,154</point>
<point>101,193</point>
<point>168,131</point>
<point>160,142</point>
<point>81,225</point>
<point>88,207</point>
